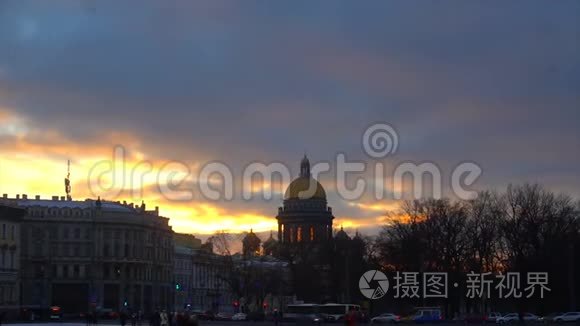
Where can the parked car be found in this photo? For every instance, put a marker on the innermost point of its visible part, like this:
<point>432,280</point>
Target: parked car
<point>321,318</point>
<point>204,315</point>
<point>223,316</point>
<point>550,318</point>
<point>55,313</point>
<point>240,316</point>
<point>507,318</point>
<point>514,318</point>
<point>426,315</point>
<point>568,317</point>
<point>492,317</point>
<point>386,318</point>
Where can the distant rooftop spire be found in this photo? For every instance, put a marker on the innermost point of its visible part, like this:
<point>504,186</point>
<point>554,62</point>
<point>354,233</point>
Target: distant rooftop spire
<point>67,187</point>
<point>305,167</point>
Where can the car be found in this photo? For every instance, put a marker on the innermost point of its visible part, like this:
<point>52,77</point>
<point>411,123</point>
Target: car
<point>515,317</point>
<point>223,316</point>
<point>240,316</point>
<point>568,317</point>
<point>201,315</point>
<point>321,318</point>
<point>492,317</point>
<point>507,318</point>
<point>386,318</point>
<point>55,313</point>
<point>426,315</point>
<point>550,318</point>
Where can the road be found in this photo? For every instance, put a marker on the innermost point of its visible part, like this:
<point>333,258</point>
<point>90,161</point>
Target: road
<point>201,323</point>
<point>207,323</point>
<point>236,323</point>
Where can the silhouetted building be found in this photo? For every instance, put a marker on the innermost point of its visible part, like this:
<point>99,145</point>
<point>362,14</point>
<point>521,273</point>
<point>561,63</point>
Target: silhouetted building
<point>10,220</point>
<point>184,246</point>
<point>322,265</point>
<point>270,246</point>
<point>251,244</point>
<point>94,254</point>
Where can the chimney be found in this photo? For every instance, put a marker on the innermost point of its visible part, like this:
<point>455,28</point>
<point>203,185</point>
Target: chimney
<point>24,196</point>
<point>62,198</point>
<point>54,197</point>
<point>156,210</point>
<point>37,197</point>
<point>17,196</point>
<point>124,202</point>
<point>5,196</point>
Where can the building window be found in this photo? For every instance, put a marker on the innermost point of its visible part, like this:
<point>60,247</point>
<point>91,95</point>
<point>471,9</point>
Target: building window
<point>291,234</point>
<point>311,233</point>
<point>106,250</point>
<point>12,232</point>
<point>37,249</point>
<point>3,231</point>
<point>105,271</point>
<point>117,271</point>
<point>77,233</point>
<point>65,233</point>
<point>38,271</point>
<point>299,234</point>
<point>76,271</point>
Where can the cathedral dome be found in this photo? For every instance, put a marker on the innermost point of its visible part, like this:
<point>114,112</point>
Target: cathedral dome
<point>341,235</point>
<point>305,188</point>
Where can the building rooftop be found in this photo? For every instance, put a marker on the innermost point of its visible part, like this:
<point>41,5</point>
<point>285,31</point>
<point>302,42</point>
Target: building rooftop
<point>61,202</point>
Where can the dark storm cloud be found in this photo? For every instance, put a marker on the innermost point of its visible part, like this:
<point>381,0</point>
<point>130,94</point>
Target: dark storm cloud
<point>496,84</point>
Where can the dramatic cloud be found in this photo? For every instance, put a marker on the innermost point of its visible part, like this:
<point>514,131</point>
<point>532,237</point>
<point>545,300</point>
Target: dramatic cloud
<point>205,81</point>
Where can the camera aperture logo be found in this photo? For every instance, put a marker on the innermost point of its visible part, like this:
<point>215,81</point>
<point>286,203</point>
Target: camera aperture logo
<point>380,279</point>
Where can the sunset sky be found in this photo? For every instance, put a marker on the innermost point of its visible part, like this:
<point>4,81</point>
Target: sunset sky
<point>259,81</point>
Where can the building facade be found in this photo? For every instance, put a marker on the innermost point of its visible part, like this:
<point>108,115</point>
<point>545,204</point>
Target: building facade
<point>93,254</point>
<point>10,220</point>
<point>202,278</point>
<point>184,246</point>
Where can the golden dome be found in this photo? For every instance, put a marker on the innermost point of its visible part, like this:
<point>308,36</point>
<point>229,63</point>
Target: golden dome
<point>305,188</point>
